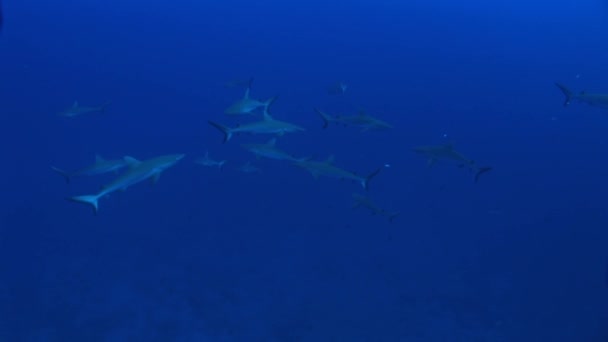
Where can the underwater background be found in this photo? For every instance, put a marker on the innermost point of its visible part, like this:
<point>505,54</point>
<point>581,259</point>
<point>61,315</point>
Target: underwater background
<point>223,255</point>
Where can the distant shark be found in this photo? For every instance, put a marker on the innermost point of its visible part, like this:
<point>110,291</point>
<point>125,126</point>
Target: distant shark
<point>269,150</point>
<point>338,88</point>
<point>138,172</point>
<point>327,168</point>
<point>77,110</point>
<point>248,105</point>
<point>361,120</point>
<point>597,100</point>
<point>268,125</point>
<point>447,152</point>
<point>364,201</point>
<point>100,166</point>
<point>249,168</point>
<point>207,161</point>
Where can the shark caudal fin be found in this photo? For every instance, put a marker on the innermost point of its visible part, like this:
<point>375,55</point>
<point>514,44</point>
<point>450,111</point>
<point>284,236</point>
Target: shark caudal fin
<point>366,180</point>
<point>269,103</point>
<point>567,93</point>
<point>481,171</point>
<point>326,118</point>
<point>63,173</point>
<point>91,200</point>
<point>226,130</point>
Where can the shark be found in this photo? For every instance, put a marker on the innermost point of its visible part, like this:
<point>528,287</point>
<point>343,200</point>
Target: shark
<point>268,125</point>
<point>138,172</point>
<point>327,168</point>
<point>597,100</point>
<point>77,110</point>
<point>100,166</point>
<point>207,161</point>
<point>269,150</point>
<point>364,201</point>
<point>338,88</point>
<point>361,120</point>
<point>248,105</point>
<point>447,152</point>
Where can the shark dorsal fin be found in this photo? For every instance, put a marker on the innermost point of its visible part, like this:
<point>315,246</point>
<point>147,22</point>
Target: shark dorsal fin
<point>99,159</point>
<point>331,159</point>
<point>247,93</point>
<point>131,162</point>
<point>75,104</point>
<point>272,142</point>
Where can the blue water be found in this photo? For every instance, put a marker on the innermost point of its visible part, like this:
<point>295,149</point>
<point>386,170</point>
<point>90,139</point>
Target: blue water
<point>209,255</point>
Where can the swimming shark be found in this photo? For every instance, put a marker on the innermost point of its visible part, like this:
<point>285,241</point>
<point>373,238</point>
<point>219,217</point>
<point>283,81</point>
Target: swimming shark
<point>249,168</point>
<point>269,150</point>
<point>364,201</point>
<point>248,105</point>
<point>77,110</point>
<point>206,161</point>
<point>138,171</point>
<point>362,120</point>
<point>100,166</point>
<point>447,152</point>
<point>268,125</point>
<point>598,100</point>
<point>327,168</point>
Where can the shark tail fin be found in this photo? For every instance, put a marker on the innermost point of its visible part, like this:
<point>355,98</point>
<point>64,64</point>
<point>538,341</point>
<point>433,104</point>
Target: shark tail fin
<point>365,182</point>
<point>325,117</point>
<point>226,130</point>
<point>63,173</point>
<point>567,93</point>
<point>269,103</point>
<point>481,171</point>
<point>91,200</point>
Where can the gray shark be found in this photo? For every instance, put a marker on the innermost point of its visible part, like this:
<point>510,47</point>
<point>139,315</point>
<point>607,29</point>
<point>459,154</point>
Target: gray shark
<point>138,172</point>
<point>248,105</point>
<point>269,150</point>
<point>100,166</point>
<point>268,125</point>
<point>364,201</point>
<point>327,168</point>
<point>362,120</point>
<point>598,100</point>
<point>206,161</point>
<point>447,152</point>
<point>77,110</point>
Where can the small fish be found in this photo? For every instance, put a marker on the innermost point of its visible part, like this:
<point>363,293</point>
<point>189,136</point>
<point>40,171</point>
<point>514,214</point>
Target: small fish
<point>327,168</point>
<point>447,152</point>
<point>364,201</point>
<point>100,166</point>
<point>206,161</point>
<point>138,172</point>
<point>597,100</point>
<point>362,120</point>
<point>77,110</point>
<point>338,88</point>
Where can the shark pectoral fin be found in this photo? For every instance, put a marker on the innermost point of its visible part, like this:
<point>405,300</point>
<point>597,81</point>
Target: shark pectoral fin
<point>155,178</point>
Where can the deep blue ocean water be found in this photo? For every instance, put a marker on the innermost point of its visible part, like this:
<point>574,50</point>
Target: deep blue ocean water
<point>209,255</point>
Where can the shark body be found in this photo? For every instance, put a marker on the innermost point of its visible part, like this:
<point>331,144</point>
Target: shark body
<point>138,171</point>
<point>447,152</point>
<point>366,202</point>
<point>269,150</point>
<point>328,169</point>
<point>361,120</point>
<point>247,104</point>
<point>77,110</point>
<point>207,161</point>
<point>100,166</point>
<point>597,100</point>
